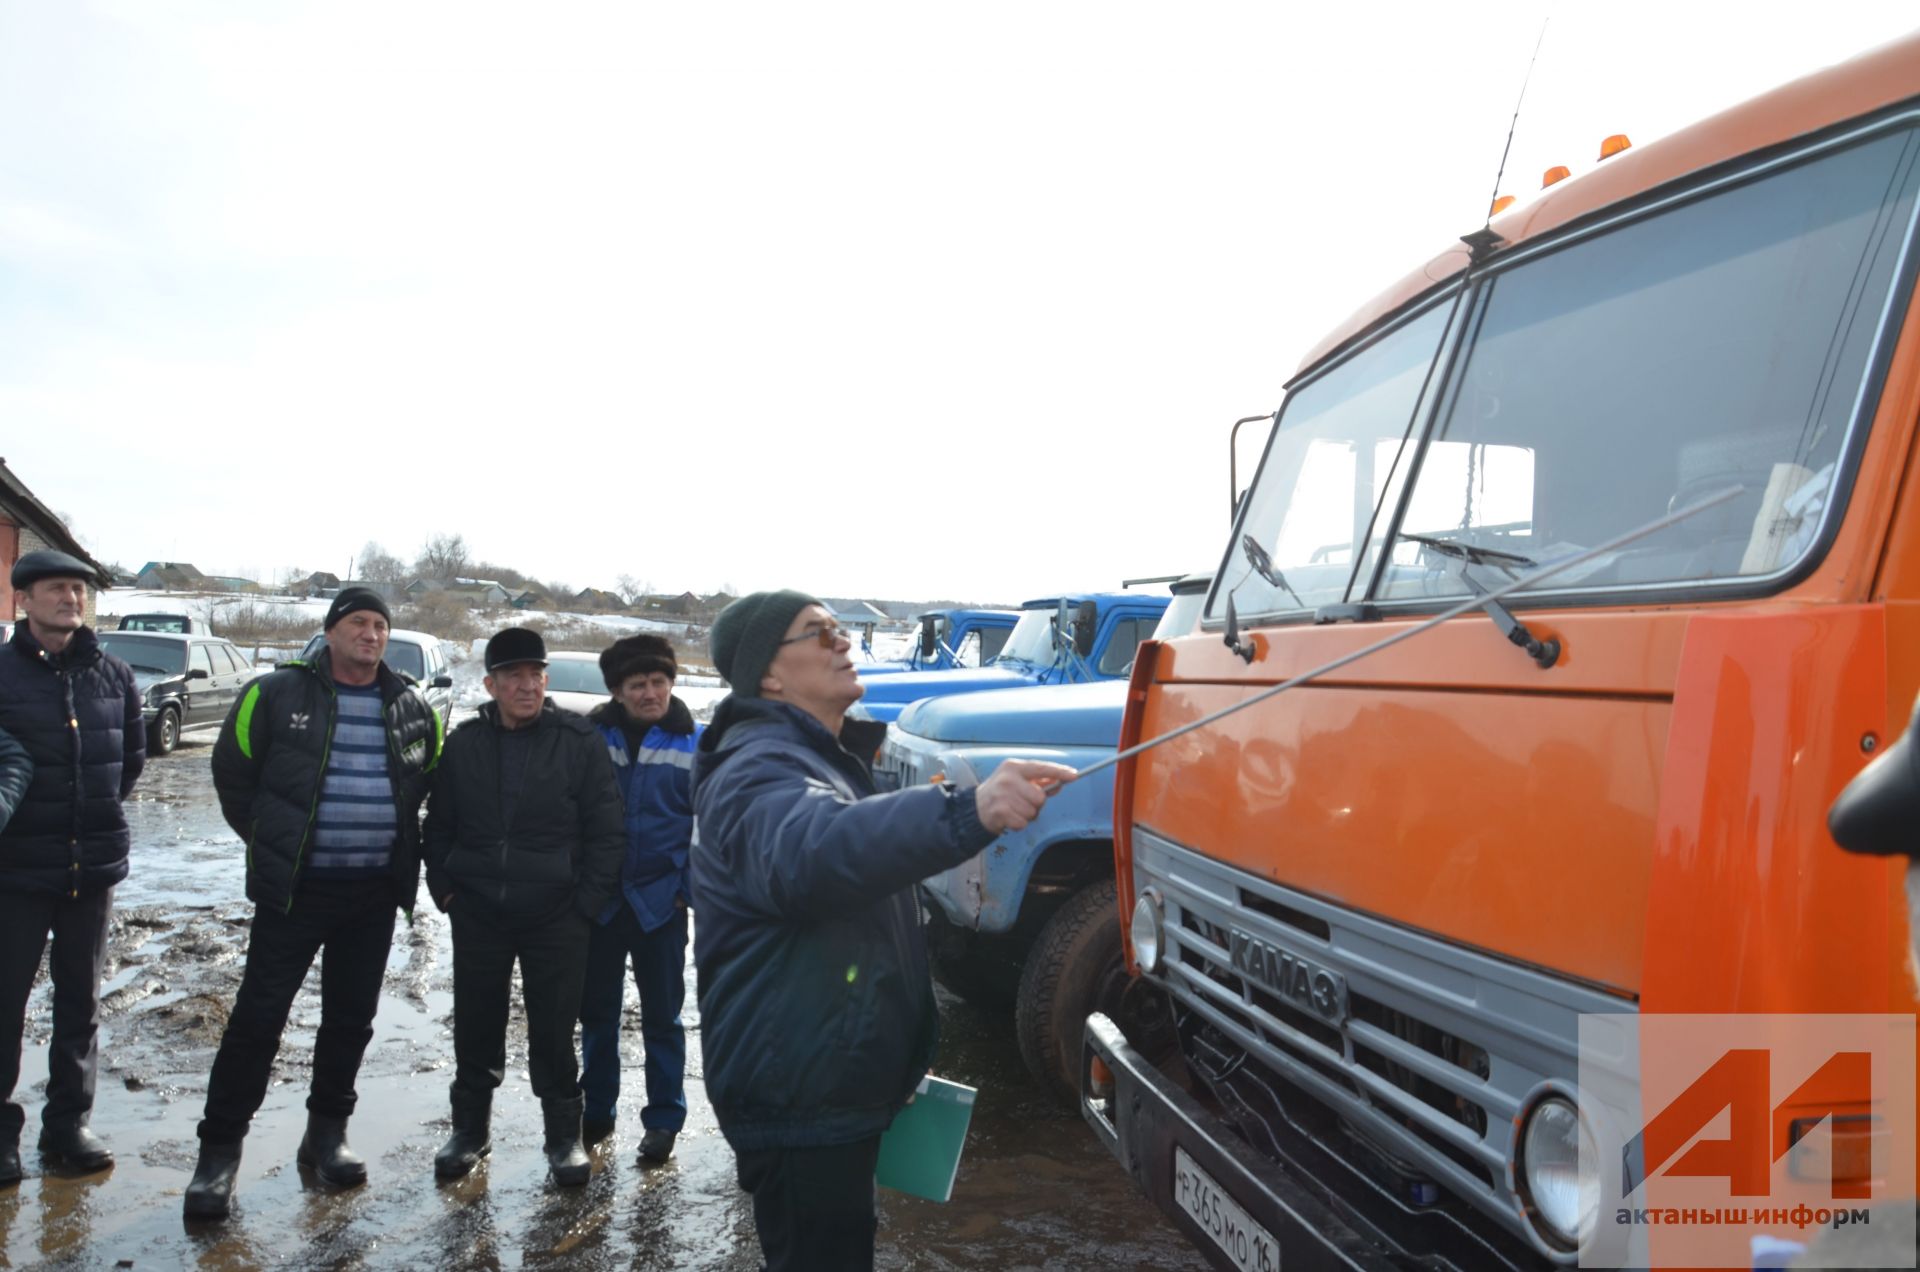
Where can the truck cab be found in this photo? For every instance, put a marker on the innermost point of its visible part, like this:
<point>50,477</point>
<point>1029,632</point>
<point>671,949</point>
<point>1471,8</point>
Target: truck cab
<point>1031,922</point>
<point>947,639</point>
<point>1401,843</point>
<point>1058,640</point>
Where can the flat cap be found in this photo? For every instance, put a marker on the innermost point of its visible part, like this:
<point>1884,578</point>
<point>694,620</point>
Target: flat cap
<point>49,564</point>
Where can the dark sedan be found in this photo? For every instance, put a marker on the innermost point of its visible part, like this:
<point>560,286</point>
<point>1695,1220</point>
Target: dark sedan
<point>187,682</point>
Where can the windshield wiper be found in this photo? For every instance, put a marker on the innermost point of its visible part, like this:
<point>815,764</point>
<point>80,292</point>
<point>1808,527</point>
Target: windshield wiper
<point>1263,566</point>
<point>1546,652</point>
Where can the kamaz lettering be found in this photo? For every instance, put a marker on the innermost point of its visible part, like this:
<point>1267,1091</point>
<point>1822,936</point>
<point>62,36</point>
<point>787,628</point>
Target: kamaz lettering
<point>1289,975</point>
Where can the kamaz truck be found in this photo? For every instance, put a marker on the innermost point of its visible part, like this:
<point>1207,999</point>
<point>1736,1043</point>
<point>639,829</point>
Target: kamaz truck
<point>1060,640</point>
<point>1032,920</point>
<point>1632,470</point>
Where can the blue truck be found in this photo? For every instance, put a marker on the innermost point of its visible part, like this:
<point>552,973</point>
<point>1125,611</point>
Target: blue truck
<point>1032,922</point>
<point>949,639</point>
<point>1059,640</point>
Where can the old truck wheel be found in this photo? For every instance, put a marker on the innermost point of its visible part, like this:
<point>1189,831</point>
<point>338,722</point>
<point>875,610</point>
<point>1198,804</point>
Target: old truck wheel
<point>969,965</point>
<point>165,733</point>
<point>1077,967</point>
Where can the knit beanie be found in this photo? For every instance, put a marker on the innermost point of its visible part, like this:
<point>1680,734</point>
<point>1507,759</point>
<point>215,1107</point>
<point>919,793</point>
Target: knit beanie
<point>640,655</point>
<point>355,598</point>
<point>748,633</point>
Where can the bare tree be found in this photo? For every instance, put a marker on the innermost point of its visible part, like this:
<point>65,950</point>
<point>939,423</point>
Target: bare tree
<point>444,557</point>
<point>630,589</point>
<point>378,565</point>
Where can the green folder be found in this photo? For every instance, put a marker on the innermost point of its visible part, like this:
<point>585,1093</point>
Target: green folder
<point>920,1153</point>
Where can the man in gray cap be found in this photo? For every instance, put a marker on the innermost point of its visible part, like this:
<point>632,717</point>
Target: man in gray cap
<point>816,1007</point>
<point>525,836</point>
<point>75,709</point>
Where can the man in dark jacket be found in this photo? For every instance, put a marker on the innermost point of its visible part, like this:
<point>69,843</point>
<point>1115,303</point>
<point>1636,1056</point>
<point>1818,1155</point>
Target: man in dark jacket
<point>320,769</point>
<point>650,736</point>
<point>75,709</point>
<point>816,1006</point>
<point>524,840</point>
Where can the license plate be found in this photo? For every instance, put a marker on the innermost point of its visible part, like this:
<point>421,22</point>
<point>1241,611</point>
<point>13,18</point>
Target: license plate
<point>1246,1244</point>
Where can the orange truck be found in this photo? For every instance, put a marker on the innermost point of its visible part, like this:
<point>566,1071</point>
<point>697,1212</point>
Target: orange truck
<point>1381,903</point>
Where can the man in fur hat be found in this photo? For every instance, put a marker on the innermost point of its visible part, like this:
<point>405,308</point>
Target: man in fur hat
<point>650,735</point>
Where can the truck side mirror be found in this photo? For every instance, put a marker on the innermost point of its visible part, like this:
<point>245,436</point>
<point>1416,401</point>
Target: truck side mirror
<point>1086,625</point>
<point>927,641</point>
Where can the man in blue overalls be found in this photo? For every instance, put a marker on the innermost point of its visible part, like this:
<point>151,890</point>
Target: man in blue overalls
<point>651,736</point>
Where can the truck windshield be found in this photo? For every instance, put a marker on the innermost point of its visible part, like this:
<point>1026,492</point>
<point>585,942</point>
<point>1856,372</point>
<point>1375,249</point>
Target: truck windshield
<point>1723,340</point>
<point>1325,467</point>
<point>1736,331</point>
<point>1032,639</point>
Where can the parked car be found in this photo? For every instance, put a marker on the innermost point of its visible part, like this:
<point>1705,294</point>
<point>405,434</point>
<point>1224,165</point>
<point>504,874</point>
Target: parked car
<point>1032,924</point>
<point>180,624</point>
<point>574,681</point>
<point>188,681</point>
<point>418,657</point>
<point>1059,640</point>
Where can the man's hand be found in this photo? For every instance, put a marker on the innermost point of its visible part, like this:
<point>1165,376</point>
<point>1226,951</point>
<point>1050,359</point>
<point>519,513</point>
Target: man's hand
<point>1016,792</point>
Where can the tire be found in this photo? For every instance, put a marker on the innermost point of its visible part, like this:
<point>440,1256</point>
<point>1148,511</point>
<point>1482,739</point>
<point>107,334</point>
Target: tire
<point>974,968</point>
<point>164,734</point>
<point>1075,968</point>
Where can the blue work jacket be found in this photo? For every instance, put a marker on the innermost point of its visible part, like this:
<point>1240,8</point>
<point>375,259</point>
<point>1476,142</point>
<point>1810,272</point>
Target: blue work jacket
<point>656,786</point>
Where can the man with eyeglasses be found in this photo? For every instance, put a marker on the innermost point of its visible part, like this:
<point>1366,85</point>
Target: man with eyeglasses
<point>816,1004</point>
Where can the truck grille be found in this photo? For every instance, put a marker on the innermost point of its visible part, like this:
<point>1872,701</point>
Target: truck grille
<point>1422,1049</point>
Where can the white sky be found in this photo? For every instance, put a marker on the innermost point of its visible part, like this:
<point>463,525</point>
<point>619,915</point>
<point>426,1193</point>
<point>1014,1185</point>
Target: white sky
<point>870,299</point>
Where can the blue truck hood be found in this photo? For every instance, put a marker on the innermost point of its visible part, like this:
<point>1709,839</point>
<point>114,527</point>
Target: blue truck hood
<point>1044,715</point>
<point>909,685</point>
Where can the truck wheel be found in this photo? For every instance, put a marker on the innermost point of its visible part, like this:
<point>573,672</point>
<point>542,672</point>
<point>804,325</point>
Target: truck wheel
<point>1075,968</point>
<point>969,965</point>
<point>164,735</point>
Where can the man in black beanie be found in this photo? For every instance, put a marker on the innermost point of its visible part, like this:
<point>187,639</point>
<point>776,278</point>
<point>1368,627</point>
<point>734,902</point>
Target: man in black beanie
<point>320,769</point>
<point>523,844</point>
<point>75,709</point>
<point>651,736</point>
<point>816,1007</point>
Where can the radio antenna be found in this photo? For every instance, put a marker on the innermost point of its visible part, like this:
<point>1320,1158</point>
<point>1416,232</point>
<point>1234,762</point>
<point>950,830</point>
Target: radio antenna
<point>1514,127</point>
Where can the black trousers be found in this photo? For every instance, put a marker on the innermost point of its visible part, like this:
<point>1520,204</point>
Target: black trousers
<point>813,1207</point>
<point>353,924</point>
<point>552,953</point>
<point>79,930</point>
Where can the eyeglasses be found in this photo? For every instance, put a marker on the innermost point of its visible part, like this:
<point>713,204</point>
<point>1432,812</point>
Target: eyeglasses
<point>826,635</point>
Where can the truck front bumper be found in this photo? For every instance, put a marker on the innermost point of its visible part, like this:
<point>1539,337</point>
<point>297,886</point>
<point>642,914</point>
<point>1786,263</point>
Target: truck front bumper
<point>1304,1192</point>
<point>1144,1118</point>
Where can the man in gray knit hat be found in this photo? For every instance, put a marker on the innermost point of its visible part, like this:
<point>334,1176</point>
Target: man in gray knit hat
<point>816,1006</point>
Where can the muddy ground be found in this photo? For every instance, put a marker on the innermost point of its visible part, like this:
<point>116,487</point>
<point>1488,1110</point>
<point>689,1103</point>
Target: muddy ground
<point>1035,1189</point>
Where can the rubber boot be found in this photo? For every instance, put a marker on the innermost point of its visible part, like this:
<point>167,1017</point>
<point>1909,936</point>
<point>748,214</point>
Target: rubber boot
<point>655,1147</point>
<point>469,1141</point>
<point>74,1146</point>
<point>210,1195</point>
<point>324,1147</point>
<point>565,1156</point>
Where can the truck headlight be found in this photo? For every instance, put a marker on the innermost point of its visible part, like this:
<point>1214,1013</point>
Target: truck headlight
<point>1564,1200</point>
<point>1148,932</point>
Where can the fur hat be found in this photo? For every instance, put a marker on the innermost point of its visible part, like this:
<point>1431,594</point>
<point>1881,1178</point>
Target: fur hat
<point>637,656</point>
